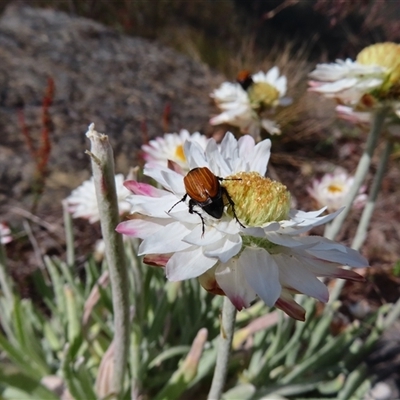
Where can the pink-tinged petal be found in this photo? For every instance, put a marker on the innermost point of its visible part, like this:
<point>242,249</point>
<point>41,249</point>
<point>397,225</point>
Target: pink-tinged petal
<point>209,283</point>
<point>231,280</point>
<point>348,274</point>
<point>144,189</point>
<point>293,273</point>
<point>138,228</point>
<point>291,308</point>
<point>188,264</point>
<point>166,240</point>
<point>262,274</point>
<point>175,167</point>
<point>224,249</point>
<point>156,260</point>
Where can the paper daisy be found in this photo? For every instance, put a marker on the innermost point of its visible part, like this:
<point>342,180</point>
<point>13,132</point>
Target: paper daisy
<point>244,104</point>
<point>332,189</point>
<point>82,202</point>
<point>170,148</point>
<point>256,248</point>
<point>372,80</point>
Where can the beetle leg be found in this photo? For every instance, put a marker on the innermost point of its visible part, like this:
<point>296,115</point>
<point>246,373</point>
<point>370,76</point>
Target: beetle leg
<point>192,211</point>
<point>183,199</point>
<point>232,205</point>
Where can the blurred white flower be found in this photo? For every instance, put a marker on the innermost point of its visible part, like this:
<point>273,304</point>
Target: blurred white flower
<point>256,247</point>
<point>331,190</point>
<point>372,80</point>
<point>82,202</point>
<point>356,117</point>
<point>5,233</point>
<point>170,148</point>
<point>244,104</point>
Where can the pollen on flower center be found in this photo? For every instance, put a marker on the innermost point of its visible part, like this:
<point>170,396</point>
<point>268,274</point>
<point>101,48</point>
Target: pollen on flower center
<point>258,200</point>
<point>179,153</point>
<point>263,95</point>
<point>335,188</point>
<point>385,55</point>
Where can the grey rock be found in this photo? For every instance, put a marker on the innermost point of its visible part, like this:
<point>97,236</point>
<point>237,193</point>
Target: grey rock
<point>118,82</point>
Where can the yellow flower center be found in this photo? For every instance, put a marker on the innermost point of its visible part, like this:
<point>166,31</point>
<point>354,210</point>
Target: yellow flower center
<point>179,153</point>
<point>258,200</point>
<point>385,55</point>
<point>263,95</point>
<point>335,188</point>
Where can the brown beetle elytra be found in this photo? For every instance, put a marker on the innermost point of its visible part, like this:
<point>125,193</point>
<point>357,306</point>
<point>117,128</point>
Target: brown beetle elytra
<point>205,191</point>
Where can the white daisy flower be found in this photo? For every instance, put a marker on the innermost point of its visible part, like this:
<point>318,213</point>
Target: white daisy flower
<point>82,202</point>
<point>331,190</point>
<point>243,104</point>
<point>5,233</point>
<point>254,244</point>
<point>170,148</point>
<point>372,80</point>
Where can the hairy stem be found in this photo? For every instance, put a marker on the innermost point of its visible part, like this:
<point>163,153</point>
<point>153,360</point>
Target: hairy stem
<point>104,177</point>
<point>224,350</point>
<point>362,169</point>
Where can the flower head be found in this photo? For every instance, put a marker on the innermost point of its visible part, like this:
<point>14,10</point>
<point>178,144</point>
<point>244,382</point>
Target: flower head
<point>256,248</point>
<point>5,233</point>
<point>331,191</point>
<point>372,80</point>
<point>82,202</point>
<point>243,105</point>
<point>170,148</point>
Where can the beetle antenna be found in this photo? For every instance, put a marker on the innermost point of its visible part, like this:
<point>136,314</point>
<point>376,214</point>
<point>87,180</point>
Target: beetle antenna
<point>228,179</point>
<point>182,200</point>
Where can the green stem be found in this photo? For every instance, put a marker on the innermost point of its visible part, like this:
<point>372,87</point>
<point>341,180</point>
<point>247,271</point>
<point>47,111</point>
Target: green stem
<point>369,207</point>
<point>367,213</point>
<point>104,177</point>
<point>224,349</point>
<point>359,177</point>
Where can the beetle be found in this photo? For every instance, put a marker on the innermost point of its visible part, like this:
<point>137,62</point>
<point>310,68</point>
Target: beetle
<point>205,190</point>
<point>245,79</point>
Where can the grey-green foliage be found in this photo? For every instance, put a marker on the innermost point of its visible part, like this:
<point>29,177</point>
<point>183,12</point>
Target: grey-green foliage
<point>68,335</point>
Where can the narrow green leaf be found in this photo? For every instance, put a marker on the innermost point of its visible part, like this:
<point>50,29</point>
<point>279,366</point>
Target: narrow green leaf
<point>28,387</point>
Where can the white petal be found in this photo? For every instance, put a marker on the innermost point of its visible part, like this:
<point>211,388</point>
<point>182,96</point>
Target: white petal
<point>153,206</point>
<point>197,238</point>
<point>260,156</point>
<point>166,240</point>
<point>230,279</point>
<point>173,181</point>
<point>294,274</point>
<point>188,264</point>
<point>225,249</point>
<point>262,274</point>
<point>195,155</point>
